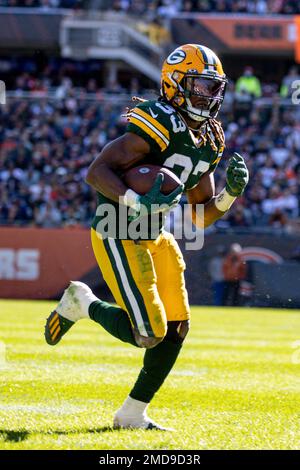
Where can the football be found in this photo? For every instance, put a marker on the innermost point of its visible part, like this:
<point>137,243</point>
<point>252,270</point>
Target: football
<point>141,179</point>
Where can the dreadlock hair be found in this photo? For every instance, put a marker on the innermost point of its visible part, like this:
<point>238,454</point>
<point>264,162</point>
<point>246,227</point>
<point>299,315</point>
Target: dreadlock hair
<point>210,131</point>
<point>213,132</point>
<point>127,115</point>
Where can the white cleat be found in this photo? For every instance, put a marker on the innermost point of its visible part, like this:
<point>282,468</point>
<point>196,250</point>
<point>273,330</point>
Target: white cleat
<point>75,302</point>
<point>133,415</point>
<point>124,421</point>
<point>73,306</point>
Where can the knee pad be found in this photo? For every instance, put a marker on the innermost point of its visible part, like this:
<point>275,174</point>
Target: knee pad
<point>177,331</point>
<point>146,342</point>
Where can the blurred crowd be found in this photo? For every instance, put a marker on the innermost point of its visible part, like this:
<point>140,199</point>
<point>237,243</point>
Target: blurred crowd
<point>43,5</point>
<point>40,75</point>
<point>170,7</point>
<point>269,138</point>
<point>240,6</point>
<point>47,145</point>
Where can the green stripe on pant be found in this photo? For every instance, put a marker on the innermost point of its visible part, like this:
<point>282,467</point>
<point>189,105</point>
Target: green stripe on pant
<point>130,292</point>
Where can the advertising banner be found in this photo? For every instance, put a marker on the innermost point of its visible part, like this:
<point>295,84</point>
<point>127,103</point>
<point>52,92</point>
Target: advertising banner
<point>237,33</point>
<point>39,263</point>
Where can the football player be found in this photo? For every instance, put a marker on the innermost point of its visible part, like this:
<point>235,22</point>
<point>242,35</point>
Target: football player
<point>179,131</point>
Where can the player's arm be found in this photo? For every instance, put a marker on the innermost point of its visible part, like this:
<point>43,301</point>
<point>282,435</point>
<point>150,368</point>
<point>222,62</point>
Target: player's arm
<point>118,156</point>
<point>204,193</point>
<point>215,206</point>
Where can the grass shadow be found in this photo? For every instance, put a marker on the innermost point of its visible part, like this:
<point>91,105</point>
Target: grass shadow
<point>18,436</point>
<point>13,436</point>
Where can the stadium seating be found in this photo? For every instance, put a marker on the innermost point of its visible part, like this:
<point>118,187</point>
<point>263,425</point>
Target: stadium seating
<point>169,7</point>
<point>50,134</point>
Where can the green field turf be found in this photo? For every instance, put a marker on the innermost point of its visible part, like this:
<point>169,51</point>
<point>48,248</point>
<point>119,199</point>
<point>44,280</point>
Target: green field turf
<point>236,384</point>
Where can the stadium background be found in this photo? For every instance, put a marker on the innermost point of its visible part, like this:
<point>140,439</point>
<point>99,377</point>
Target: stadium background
<point>71,67</point>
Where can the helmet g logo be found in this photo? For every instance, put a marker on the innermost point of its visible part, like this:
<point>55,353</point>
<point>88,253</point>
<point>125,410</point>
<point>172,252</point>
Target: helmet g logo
<point>176,57</point>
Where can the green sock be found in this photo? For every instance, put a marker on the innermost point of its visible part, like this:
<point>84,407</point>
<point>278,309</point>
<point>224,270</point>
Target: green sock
<point>113,319</point>
<point>158,362</point>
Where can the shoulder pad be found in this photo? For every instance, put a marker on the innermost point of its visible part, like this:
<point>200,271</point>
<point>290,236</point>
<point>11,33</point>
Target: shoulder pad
<point>166,115</point>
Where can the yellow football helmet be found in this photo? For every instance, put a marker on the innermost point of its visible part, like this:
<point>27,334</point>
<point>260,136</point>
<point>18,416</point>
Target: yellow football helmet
<point>193,80</point>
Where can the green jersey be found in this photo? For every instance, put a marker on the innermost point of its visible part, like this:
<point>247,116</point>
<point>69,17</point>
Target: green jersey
<point>172,145</point>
